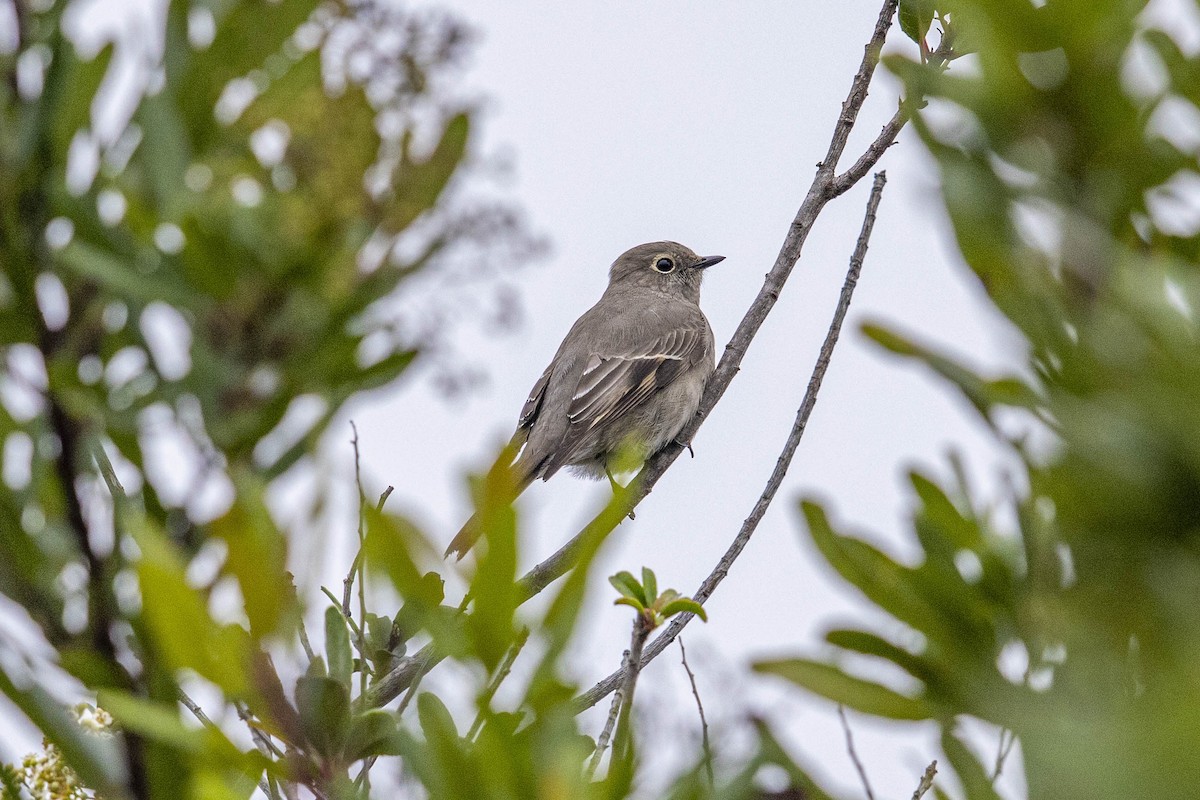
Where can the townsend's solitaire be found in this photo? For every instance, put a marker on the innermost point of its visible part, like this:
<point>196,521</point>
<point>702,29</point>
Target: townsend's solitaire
<point>626,379</point>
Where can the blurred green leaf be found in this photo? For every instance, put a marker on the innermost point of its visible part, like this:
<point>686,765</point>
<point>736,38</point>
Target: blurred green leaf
<point>258,559</point>
<point>372,733</point>
<point>494,587</point>
<point>830,682</point>
<point>81,80</point>
<point>178,617</point>
<point>915,18</point>
<point>324,707</point>
<point>975,781</point>
<point>337,646</point>
<point>872,645</point>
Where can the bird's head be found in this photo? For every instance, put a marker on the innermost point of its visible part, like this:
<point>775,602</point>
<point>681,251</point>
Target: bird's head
<point>665,266</point>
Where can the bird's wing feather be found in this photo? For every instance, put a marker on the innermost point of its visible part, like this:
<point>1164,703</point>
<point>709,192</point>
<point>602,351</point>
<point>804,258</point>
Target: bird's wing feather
<point>614,383</point>
<point>533,405</point>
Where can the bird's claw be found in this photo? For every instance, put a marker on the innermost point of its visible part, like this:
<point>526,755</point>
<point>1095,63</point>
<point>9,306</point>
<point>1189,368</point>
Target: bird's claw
<point>688,445</point>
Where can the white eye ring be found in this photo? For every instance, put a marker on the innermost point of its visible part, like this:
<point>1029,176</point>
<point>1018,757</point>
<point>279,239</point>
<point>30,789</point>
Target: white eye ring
<point>664,264</point>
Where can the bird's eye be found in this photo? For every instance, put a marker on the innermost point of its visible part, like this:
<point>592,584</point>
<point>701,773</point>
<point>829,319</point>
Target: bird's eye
<point>664,265</point>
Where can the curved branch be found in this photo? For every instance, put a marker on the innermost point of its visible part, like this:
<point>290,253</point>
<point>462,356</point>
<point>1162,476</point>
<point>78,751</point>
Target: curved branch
<point>826,185</point>
<point>601,689</point>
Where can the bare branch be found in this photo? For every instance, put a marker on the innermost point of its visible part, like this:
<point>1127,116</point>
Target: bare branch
<point>620,713</point>
<point>1007,740</point>
<point>926,781</point>
<point>875,151</point>
<point>502,672</point>
<point>858,765</point>
<point>198,713</point>
<point>601,689</point>
<point>708,765</point>
<point>609,723</point>
<point>822,190</point>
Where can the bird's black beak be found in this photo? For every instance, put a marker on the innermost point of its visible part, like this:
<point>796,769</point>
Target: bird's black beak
<point>707,262</point>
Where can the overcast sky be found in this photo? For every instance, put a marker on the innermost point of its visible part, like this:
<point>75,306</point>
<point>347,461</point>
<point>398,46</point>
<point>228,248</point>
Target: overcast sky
<point>639,120</point>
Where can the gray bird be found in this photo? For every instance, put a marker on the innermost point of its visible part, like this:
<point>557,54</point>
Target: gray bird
<point>626,379</point>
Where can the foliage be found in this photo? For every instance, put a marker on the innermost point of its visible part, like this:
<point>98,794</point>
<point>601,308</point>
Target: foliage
<point>1067,614</point>
<point>645,598</point>
<point>218,273</point>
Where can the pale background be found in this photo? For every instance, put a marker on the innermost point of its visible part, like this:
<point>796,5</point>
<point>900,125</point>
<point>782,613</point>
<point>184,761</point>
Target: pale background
<point>633,121</point>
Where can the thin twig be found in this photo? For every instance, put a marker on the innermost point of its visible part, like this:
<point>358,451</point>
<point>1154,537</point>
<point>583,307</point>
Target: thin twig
<point>348,581</point>
<point>708,765</point>
<point>824,188</point>
<point>356,571</point>
<point>426,664</point>
<point>196,710</point>
<point>623,745</point>
<point>858,765</point>
<point>493,686</point>
<point>601,689</point>
<point>926,781</point>
<point>199,714</point>
<point>384,497</point>
<point>1007,739</point>
<point>261,739</point>
<point>304,642</point>
<point>609,723</point>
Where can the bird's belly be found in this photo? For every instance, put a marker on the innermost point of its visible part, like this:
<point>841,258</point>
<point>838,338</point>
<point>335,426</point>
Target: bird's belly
<point>642,433</point>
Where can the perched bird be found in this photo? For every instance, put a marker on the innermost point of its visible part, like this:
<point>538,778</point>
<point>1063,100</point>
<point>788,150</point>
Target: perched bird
<point>626,379</point>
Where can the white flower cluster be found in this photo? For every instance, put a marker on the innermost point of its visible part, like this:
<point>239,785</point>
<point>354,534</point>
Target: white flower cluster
<point>47,777</point>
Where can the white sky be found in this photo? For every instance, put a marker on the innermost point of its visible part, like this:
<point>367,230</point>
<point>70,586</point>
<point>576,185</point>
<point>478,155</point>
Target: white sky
<point>637,120</point>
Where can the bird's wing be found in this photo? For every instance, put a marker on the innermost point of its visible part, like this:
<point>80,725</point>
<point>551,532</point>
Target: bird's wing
<point>533,405</point>
<point>614,383</point>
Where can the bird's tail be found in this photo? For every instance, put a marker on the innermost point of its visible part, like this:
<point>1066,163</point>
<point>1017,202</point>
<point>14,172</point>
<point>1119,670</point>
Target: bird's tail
<point>470,532</point>
<point>518,477</point>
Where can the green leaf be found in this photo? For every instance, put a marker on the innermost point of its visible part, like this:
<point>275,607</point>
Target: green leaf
<point>164,152</point>
<point>889,585</point>
<point>627,585</point>
<point>494,587</point>
<point>418,185</point>
<point>830,682</point>
<point>337,646</point>
<point>161,723</point>
<point>82,79</point>
<point>872,645</point>
<point>915,18</point>
<point>560,619</point>
<point>324,706</point>
<point>436,721</point>
<point>628,601</point>
<point>649,585</point>
<point>392,545</point>
<point>372,733</point>
<point>122,278</point>
<point>258,559</point>
<point>152,720</point>
<point>975,781</point>
<point>245,36</point>
<point>983,394</point>
<point>684,605</point>
<point>178,618</point>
